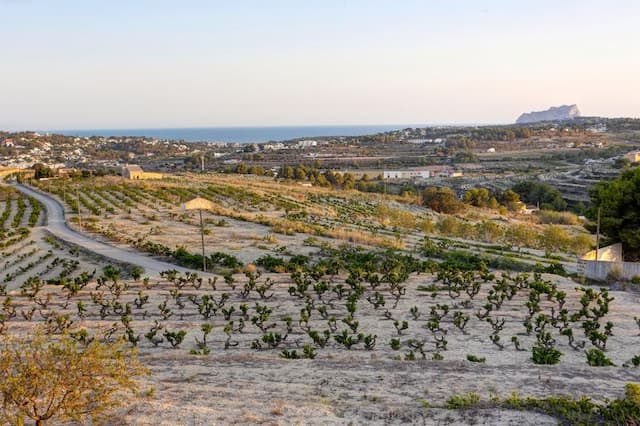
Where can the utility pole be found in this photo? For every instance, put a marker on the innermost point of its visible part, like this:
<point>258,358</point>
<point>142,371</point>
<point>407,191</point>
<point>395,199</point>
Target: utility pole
<point>202,162</point>
<point>598,235</point>
<point>204,259</point>
<point>78,206</point>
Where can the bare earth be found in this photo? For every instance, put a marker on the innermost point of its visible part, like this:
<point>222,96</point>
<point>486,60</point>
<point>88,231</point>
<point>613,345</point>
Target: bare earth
<point>241,385</point>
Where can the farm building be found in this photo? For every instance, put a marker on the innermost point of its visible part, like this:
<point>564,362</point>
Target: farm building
<point>608,262</point>
<point>135,172</point>
<point>634,156</point>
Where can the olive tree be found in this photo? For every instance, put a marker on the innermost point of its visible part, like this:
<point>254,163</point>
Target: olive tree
<point>45,377</point>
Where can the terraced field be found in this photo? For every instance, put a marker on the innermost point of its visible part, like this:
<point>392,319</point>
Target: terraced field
<point>324,307</point>
<point>28,251</point>
<point>255,216</point>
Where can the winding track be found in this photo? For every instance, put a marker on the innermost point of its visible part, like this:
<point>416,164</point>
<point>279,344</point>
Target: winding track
<point>57,225</point>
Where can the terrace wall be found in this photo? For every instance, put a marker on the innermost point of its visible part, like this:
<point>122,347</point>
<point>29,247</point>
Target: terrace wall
<point>601,269</point>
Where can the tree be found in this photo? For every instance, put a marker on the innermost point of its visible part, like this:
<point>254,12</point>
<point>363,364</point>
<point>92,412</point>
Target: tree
<point>41,171</point>
<point>489,232</point>
<point>442,200</point>
<point>478,197</point>
<point>511,200</point>
<point>520,235</point>
<point>554,238</point>
<point>44,379</point>
<point>619,202</point>
<point>547,196</point>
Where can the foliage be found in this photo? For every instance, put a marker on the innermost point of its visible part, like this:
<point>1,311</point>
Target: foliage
<point>558,218</point>
<point>460,402</point>
<point>569,410</point>
<point>45,378</point>
<point>545,356</point>
<point>443,200</point>
<point>533,192</point>
<point>597,358</point>
<point>620,211</point>
<point>478,197</point>
<point>473,358</point>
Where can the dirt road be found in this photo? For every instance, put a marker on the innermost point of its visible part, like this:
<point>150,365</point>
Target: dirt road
<point>57,225</point>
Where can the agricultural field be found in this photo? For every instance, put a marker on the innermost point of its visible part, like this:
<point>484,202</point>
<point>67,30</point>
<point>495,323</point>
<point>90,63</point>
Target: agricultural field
<point>328,307</point>
<point>255,217</point>
<point>28,251</point>
<point>362,337</point>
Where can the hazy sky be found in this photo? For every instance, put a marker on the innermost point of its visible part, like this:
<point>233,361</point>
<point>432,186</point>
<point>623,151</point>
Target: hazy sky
<point>114,64</point>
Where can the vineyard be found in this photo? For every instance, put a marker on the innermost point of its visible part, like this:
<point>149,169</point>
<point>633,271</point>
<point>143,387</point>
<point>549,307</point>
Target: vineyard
<point>268,217</point>
<point>327,305</point>
<point>400,331</point>
<point>27,251</point>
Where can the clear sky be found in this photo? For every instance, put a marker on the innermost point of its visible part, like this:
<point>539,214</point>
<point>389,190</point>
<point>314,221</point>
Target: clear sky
<point>152,63</point>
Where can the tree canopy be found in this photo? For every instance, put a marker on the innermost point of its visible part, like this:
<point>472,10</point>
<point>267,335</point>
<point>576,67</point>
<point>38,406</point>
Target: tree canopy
<point>533,192</point>
<point>619,201</point>
<point>443,200</point>
<point>47,377</point>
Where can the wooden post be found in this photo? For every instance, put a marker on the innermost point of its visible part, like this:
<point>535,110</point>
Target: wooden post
<point>204,259</point>
<point>598,235</point>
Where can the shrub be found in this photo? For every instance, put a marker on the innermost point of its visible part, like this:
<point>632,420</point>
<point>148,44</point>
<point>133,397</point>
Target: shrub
<point>557,218</point>
<point>473,358</point>
<point>632,393</point>
<point>443,200</point>
<point>597,358</point>
<point>461,402</point>
<point>545,356</point>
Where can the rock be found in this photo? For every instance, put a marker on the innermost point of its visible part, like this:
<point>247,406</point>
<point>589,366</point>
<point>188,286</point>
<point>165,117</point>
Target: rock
<point>564,112</point>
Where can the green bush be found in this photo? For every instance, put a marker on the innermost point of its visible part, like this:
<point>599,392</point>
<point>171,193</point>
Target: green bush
<point>473,358</point>
<point>461,402</point>
<point>545,356</point>
<point>597,358</point>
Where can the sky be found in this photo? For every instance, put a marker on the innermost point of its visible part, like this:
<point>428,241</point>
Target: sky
<point>93,64</point>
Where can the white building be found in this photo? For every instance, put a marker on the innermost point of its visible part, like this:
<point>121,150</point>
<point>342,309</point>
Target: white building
<point>306,144</point>
<point>405,174</point>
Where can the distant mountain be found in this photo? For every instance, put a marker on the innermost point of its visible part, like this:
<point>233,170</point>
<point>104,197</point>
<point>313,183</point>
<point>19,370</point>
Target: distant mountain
<point>564,112</point>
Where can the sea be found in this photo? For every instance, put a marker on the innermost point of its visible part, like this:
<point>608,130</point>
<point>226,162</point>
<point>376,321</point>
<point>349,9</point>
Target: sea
<point>239,134</point>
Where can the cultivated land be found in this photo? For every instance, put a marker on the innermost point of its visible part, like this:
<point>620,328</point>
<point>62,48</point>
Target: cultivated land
<point>390,307</point>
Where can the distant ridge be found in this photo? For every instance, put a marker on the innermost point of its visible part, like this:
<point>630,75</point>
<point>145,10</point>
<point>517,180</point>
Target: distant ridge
<point>564,112</point>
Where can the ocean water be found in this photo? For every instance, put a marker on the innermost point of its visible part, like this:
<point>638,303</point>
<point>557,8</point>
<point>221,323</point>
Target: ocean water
<point>238,134</point>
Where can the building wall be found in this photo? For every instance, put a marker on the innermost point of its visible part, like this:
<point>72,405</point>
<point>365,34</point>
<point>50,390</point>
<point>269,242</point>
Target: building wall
<point>634,157</point>
<point>141,175</point>
<point>151,175</point>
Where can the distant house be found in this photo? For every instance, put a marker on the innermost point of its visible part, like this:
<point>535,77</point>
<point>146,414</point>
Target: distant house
<point>306,144</point>
<point>135,172</point>
<point>607,262</point>
<point>634,156</point>
<point>405,174</point>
